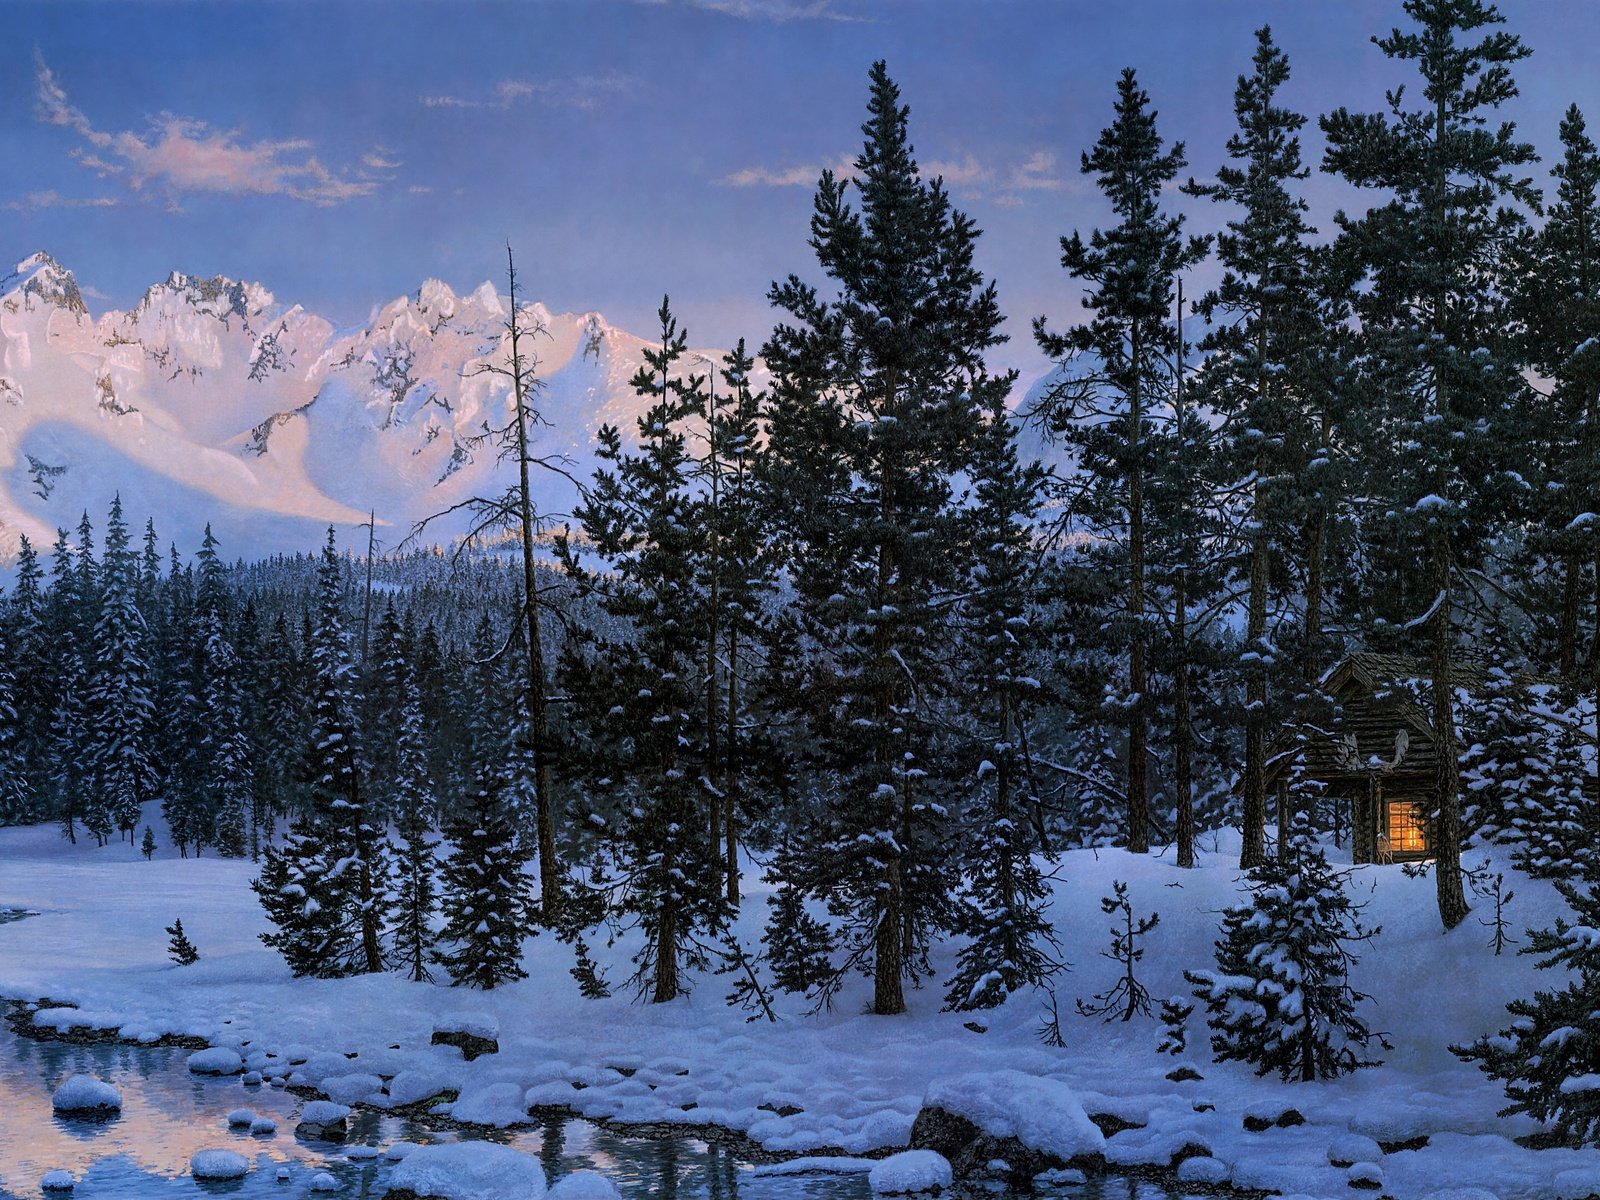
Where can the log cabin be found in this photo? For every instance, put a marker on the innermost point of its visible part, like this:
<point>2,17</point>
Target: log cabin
<point>1379,758</point>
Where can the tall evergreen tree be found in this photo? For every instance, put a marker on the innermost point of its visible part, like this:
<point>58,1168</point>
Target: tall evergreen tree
<point>119,706</point>
<point>1258,377</point>
<point>872,420</point>
<point>1436,345</point>
<point>647,725</point>
<point>1116,368</point>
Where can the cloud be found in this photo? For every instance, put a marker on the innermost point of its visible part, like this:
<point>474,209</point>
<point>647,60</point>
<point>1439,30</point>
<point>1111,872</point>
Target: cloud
<point>377,159</point>
<point>1037,173</point>
<point>179,155</point>
<point>805,175</point>
<point>958,174</point>
<point>37,201</point>
<point>586,92</point>
<point>777,11</point>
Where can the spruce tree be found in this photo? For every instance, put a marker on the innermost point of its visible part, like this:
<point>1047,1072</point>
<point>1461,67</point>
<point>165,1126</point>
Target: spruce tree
<point>1261,376</point>
<point>1548,1053</point>
<point>147,846</point>
<point>1280,997</point>
<point>1115,369</point>
<point>415,809</point>
<point>1438,352</point>
<point>872,421</point>
<point>16,792</point>
<point>483,888</point>
<point>1011,945</point>
<point>645,722</point>
<point>179,948</point>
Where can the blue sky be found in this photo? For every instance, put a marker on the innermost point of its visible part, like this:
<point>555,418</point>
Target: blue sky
<point>340,152</point>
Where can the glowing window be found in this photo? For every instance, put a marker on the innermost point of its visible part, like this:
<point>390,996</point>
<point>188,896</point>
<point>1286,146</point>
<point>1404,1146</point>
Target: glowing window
<point>1407,834</point>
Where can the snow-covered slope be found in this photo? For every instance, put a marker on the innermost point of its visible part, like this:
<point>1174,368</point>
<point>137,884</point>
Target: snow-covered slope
<point>210,400</point>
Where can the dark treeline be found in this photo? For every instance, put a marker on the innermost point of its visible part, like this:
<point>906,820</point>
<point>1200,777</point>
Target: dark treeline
<point>843,622</point>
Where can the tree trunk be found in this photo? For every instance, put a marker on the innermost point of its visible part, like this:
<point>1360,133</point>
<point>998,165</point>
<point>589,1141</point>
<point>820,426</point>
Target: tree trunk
<point>888,998</point>
<point>544,801</point>
<point>1253,851</point>
<point>1447,833</point>
<point>1138,721</point>
<point>730,795</point>
<point>1182,730</point>
<point>1571,573</point>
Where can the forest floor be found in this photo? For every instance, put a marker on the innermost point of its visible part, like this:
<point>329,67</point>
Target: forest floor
<point>839,1081</point>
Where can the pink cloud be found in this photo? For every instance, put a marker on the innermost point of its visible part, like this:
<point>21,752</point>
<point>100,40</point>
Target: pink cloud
<point>179,155</point>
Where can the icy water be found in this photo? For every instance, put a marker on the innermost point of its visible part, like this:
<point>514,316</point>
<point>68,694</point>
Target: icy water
<point>168,1114</point>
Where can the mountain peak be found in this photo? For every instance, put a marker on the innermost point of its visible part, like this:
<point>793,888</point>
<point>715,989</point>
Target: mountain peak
<point>42,277</point>
<point>218,296</point>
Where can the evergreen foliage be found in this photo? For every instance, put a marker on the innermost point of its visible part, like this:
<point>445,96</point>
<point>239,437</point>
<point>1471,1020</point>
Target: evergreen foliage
<point>179,948</point>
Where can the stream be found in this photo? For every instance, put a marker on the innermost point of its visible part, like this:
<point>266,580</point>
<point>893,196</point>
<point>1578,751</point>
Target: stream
<point>168,1114</point>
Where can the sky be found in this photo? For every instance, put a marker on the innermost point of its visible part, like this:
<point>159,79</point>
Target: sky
<point>342,152</point>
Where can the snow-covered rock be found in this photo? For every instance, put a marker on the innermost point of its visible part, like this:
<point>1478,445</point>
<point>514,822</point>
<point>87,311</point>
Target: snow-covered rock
<point>322,1181</point>
<point>909,1172</point>
<point>218,1060</point>
<point>86,1095</point>
<point>219,1164</point>
<point>399,1150</point>
<point>57,1181</point>
<point>1202,1168</point>
<point>263,1127</point>
<point>584,1185</point>
<point>351,1089</point>
<point>241,1118</point>
<point>323,1120</point>
<point>1016,1110</point>
<point>1366,1176</point>
<point>412,1086</point>
<point>1351,1148</point>
<point>468,1171</point>
<point>498,1105</point>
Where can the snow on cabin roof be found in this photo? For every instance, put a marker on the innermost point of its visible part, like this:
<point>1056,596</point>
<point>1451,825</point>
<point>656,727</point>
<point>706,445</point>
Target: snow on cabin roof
<point>1372,670</point>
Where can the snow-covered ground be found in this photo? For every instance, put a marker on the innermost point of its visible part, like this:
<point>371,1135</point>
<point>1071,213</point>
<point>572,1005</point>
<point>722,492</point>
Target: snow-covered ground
<point>845,1081</point>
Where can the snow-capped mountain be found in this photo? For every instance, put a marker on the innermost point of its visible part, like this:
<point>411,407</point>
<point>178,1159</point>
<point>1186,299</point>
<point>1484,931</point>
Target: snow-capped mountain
<point>210,400</point>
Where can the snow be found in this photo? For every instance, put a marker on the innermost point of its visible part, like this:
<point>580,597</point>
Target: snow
<point>263,1127</point>
<point>218,1060</point>
<point>241,1118</point>
<point>57,1181</point>
<point>840,1164</point>
<point>584,1185</point>
<point>499,1105</point>
<point>322,1181</point>
<point>477,1026</point>
<point>859,1080</point>
<point>470,1171</point>
<point>1043,1114</point>
<point>219,1164</point>
<point>82,1093</point>
<point>909,1172</point>
<point>323,1112</point>
<point>399,1150</point>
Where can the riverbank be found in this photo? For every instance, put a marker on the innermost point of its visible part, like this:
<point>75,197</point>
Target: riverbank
<point>841,1082</point>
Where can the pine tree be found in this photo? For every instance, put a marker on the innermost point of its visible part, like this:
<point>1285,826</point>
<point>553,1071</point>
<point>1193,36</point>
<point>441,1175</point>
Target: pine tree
<point>483,888</point>
<point>1280,998</point>
<point>1261,374</point>
<point>16,792</point>
<point>1128,996</point>
<point>32,673</point>
<point>227,771</point>
<point>359,854</point>
<point>1547,1054</point>
<point>293,888</point>
<point>1437,345</point>
<point>1115,368</point>
<point>415,808</point>
<point>643,713</point>
<point>1011,945</point>
<point>68,626</point>
<point>180,949</point>
<point>147,846</point>
<point>872,420</point>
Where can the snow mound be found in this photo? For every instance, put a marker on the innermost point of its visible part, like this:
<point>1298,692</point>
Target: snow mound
<point>819,1165</point>
<point>324,1182</point>
<point>219,1164</point>
<point>1043,1114</point>
<point>469,1171</point>
<point>348,1089</point>
<point>323,1112</point>
<point>1462,1193</point>
<point>362,1153</point>
<point>1351,1148</point>
<point>497,1104</point>
<point>251,1079</point>
<point>411,1086</point>
<point>584,1185</point>
<point>910,1171</point>
<point>1202,1169</point>
<point>263,1127</point>
<point>399,1150</point>
<point>219,1060</point>
<point>1577,1184</point>
<point>1366,1175</point>
<point>84,1094</point>
<point>484,1027</point>
<point>57,1181</point>
<point>241,1118</point>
